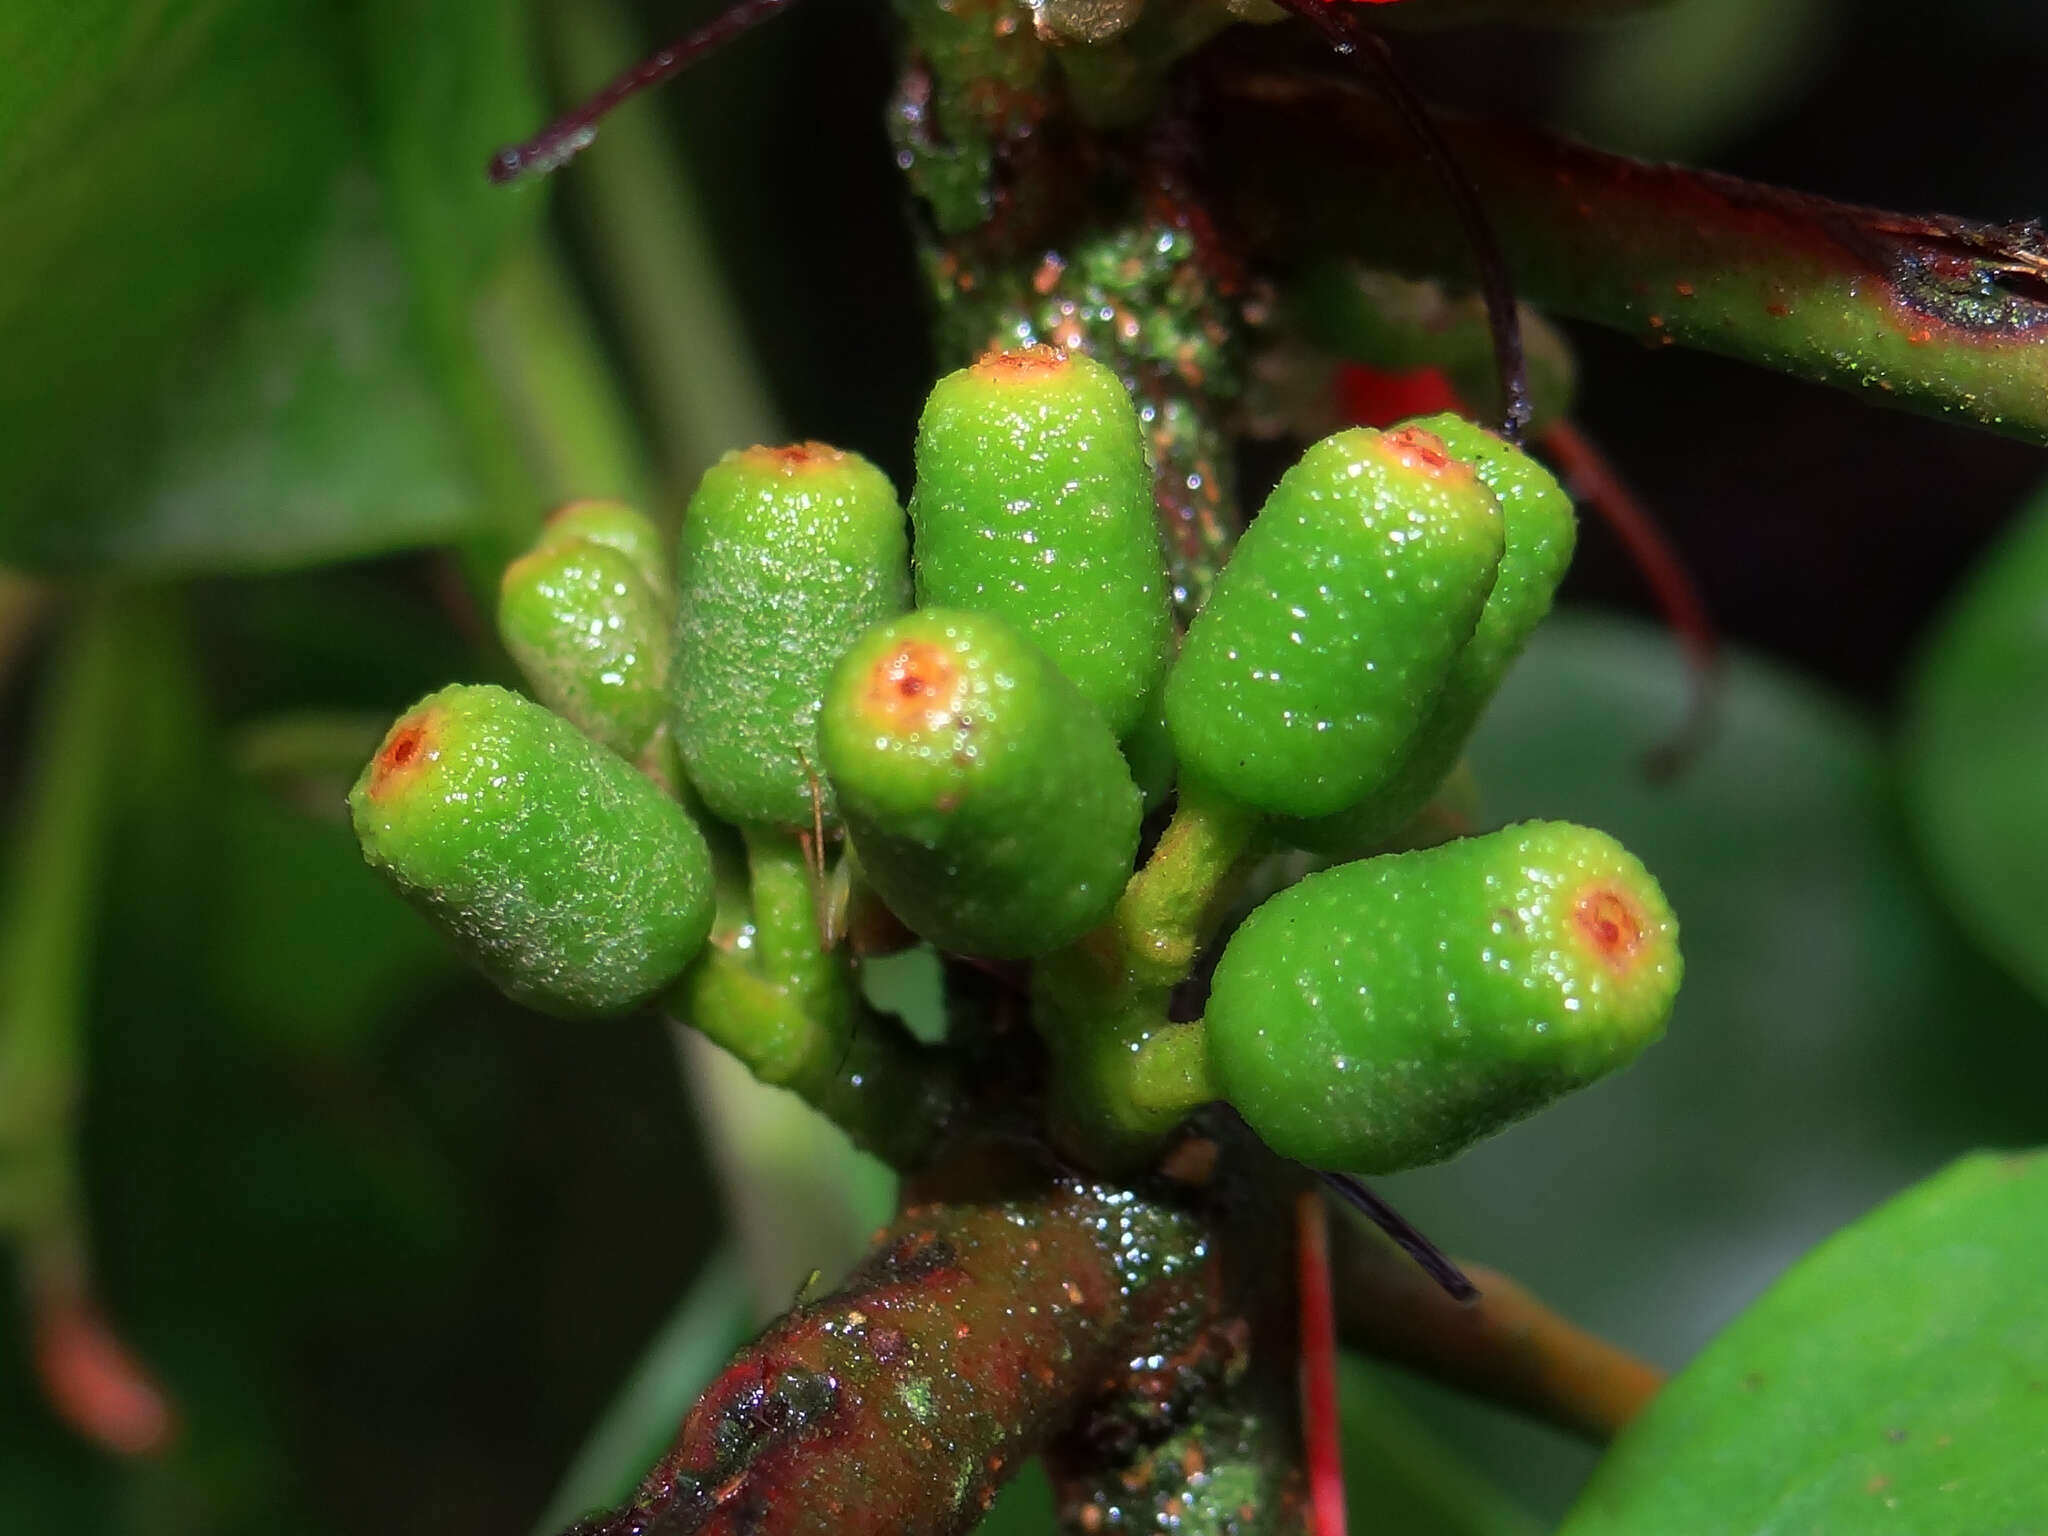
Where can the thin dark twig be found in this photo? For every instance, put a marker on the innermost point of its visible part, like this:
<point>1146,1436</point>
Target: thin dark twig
<point>1352,41</point>
<point>568,135</point>
<point>1434,1261</point>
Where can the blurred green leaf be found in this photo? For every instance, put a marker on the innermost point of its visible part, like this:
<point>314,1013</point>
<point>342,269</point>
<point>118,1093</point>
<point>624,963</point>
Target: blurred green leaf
<point>707,1325</point>
<point>1897,1379</point>
<point>1975,751</point>
<point>1683,79</point>
<point>1835,1039</point>
<point>155,160</point>
<point>1399,1476</point>
<point>308,429</point>
<point>242,295</point>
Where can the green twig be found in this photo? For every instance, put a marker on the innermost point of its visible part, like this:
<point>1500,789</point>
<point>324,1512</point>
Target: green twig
<point>1937,315</point>
<point>685,342</point>
<point>46,924</point>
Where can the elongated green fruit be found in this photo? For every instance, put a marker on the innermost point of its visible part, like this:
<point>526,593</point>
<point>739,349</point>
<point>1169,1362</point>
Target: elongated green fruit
<point>1034,502</point>
<point>1540,533</point>
<point>624,528</point>
<point>986,799</point>
<point>1390,1013</point>
<point>786,556</point>
<point>570,879</point>
<point>1304,682</point>
<point>592,636</point>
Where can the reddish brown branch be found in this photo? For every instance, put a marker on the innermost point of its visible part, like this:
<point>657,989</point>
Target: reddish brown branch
<point>900,1403</point>
<point>1935,314</point>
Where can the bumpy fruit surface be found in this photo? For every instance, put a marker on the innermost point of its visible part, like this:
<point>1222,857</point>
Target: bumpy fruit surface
<point>1034,502</point>
<point>1540,531</point>
<point>567,876</point>
<point>591,633</point>
<point>786,556</point>
<point>986,799</point>
<point>624,528</point>
<point>1305,680</point>
<point>1389,1013</point>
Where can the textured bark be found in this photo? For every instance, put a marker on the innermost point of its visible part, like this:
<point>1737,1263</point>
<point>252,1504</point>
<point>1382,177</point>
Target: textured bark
<point>973,1332</point>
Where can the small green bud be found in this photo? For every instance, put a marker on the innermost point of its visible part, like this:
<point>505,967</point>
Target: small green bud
<point>986,800</point>
<point>786,556</point>
<point>592,636</point>
<point>1540,532</point>
<point>566,876</point>
<point>1304,681</point>
<point>627,529</point>
<point>1034,502</point>
<point>1390,1013</point>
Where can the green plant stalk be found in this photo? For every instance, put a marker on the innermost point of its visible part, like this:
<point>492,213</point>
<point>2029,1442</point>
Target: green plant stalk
<point>1167,910</point>
<point>766,990</point>
<point>1124,1075</point>
<point>686,346</point>
<point>551,373</point>
<point>46,924</point>
<point>1936,315</point>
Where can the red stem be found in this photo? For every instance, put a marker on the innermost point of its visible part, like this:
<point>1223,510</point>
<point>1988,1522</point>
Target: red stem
<point>1592,479</point>
<point>1321,1428</point>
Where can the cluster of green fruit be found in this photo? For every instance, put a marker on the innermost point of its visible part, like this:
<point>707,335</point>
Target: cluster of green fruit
<point>985,738</point>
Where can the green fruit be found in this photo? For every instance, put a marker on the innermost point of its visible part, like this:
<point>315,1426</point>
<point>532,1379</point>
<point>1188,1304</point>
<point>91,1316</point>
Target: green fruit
<point>566,876</point>
<point>986,799</point>
<point>1540,532</point>
<point>592,636</point>
<point>786,556</point>
<point>1034,502</point>
<point>1390,1013</point>
<point>1304,682</point>
<point>628,530</point>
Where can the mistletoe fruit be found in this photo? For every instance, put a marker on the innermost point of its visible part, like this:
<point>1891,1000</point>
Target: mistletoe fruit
<point>569,878</point>
<point>1034,502</point>
<point>987,801</point>
<point>1390,1013</point>
<point>1540,531</point>
<point>786,556</point>
<point>589,627</point>
<point>1307,679</point>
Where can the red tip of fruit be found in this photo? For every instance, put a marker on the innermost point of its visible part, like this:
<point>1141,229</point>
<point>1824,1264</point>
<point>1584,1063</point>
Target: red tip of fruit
<point>1019,365</point>
<point>1611,922</point>
<point>409,746</point>
<point>792,459</point>
<point>913,687</point>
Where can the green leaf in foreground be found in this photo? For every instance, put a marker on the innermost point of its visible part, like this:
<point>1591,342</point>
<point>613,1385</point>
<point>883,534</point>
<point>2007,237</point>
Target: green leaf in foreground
<point>1894,1380</point>
<point>1976,753</point>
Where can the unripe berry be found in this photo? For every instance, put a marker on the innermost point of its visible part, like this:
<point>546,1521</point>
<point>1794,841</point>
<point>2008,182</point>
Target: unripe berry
<point>1389,1013</point>
<point>1034,502</point>
<point>985,797</point>
<point>566,876</point>
<point>786,556</point>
